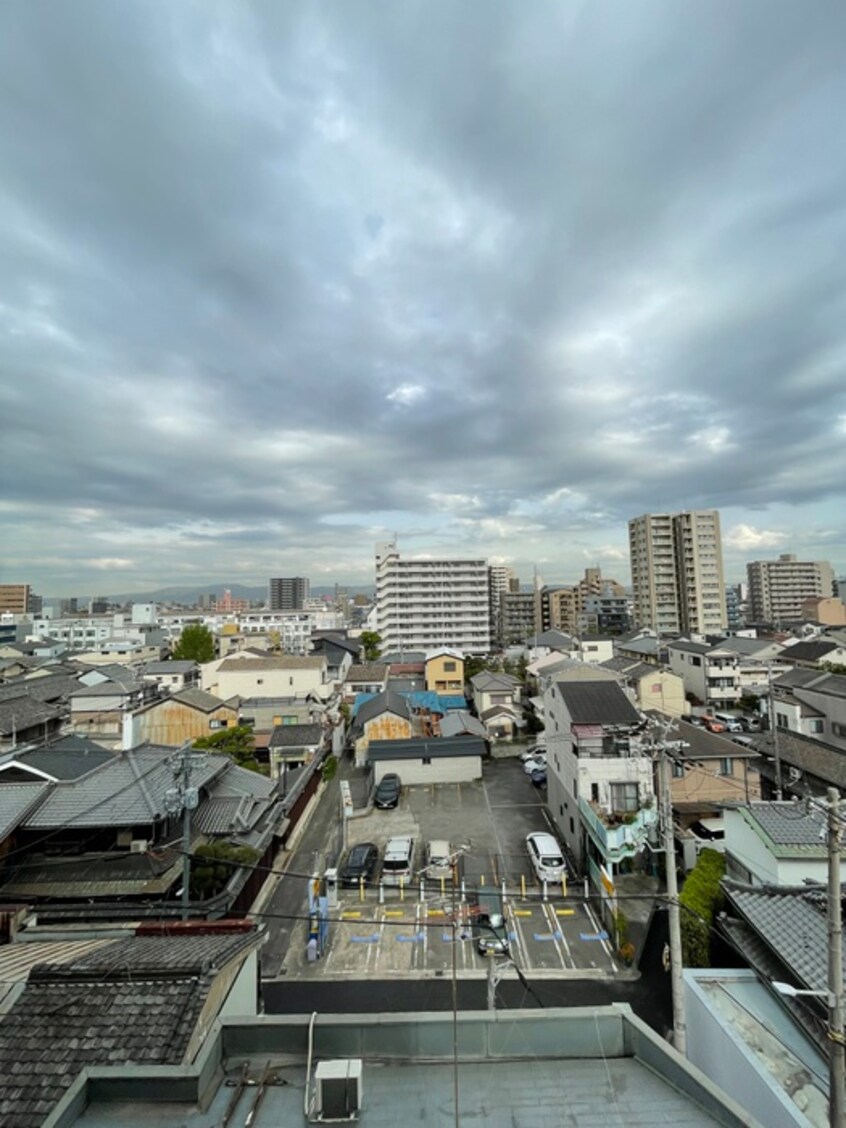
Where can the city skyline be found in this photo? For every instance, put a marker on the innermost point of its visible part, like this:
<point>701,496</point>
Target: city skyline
<point>282,283</point>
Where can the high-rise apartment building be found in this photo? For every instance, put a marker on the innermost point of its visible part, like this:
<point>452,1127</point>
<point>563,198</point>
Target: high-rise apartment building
<point>288,593</point>
<point>423,604</point>
<point>14,598</point>
<point>677,572</point>
<point>778,588</point>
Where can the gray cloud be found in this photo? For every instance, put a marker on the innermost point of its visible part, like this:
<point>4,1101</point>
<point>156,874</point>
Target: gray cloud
<point>280,279</point>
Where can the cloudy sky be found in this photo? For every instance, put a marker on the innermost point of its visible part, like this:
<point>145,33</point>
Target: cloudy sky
<point>281,280</point>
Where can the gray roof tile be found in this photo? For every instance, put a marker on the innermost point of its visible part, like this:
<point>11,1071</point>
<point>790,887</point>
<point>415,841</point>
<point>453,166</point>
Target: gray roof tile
<point>597,703</point>
<point>296,736</point>
<point>16,802</point>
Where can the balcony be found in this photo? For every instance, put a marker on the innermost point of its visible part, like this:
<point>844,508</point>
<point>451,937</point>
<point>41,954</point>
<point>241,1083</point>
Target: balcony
<point>615,838</point>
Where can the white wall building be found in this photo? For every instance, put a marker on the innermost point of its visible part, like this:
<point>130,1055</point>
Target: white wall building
<point>424,604</point>
<point>778,588</point>
<point>776,843</point>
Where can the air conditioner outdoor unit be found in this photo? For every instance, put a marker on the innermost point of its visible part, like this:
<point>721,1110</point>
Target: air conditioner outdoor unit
<point>138,846</point>
<point>338,1089</point>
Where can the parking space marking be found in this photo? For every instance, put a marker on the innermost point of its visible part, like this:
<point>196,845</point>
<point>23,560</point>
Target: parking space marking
<point>348,914</point>
<point>516,930</point>
<point>374,939</point>
<point>565,912</point>
<point>522,912</point>
<point>597,929</point>
<point>561,945</point>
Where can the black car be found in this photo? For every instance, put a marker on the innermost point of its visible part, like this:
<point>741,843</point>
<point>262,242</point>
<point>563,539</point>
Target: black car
<point>387,791</point>
<point>361,863</point>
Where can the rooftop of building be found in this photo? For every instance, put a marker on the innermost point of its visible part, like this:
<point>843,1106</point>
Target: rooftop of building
<point>273,662</point>
<point>597,703</point>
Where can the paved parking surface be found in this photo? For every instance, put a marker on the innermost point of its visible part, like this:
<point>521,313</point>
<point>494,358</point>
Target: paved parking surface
<point>384,932</point>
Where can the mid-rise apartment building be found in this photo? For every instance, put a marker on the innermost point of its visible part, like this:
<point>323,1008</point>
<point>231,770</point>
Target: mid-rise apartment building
<point>14,598</point>
<point>424,604</point>
<point>778,588</point>
<point>677,572</point>
<point>516,621</point>
<point>287,593</point>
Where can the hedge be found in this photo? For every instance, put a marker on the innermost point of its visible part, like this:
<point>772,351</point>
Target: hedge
<point>701,899</point>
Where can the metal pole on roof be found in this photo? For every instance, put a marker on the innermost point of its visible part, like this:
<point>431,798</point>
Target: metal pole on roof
<point>837,1048</point>
<point>774,729</point>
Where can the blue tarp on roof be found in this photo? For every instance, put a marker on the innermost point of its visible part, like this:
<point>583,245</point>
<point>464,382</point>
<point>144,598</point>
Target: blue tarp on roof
<point>420,700</point>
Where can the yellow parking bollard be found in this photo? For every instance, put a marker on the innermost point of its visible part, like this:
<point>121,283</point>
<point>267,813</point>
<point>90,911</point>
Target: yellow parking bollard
<point>443,886</point>
<point>402,890</point>
<point>564,884</point>
<point>522,886</point>
<point>361,888</point>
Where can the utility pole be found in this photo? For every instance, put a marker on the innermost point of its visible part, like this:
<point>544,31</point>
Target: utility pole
<point>182,797</point>
<point>837,1049</point>
<point>676,967</point>
<point>774,730</point>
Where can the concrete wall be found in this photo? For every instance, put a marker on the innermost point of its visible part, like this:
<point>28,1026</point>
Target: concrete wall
<point>662,691</point>
<point>251,681</point>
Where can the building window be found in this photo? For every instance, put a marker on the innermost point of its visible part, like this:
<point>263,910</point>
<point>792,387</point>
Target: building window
<point>726,766</point>
<point>449,667</point>
<point>427,759</point>
<point>816,725</point>
<point>781,720</point>
<point>695,660</point>
<point>572,827</point>
<point>678,769</point>
<point>838,730</point>
<point>624,797</point>
<point>218,724</point>
<point>259,681</point>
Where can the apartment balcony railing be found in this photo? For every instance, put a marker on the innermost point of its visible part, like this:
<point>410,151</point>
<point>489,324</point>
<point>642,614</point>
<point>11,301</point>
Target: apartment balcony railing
<point>618,835</point>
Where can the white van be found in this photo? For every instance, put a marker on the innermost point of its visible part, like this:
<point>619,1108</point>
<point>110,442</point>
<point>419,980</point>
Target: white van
<point>440,859</point>
<point>546,856</point>
<point>398,863</point>
<point>731,722</point>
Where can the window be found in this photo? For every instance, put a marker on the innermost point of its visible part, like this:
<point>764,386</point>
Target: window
<point>218,724</point>
<point>259,681</point>
<point>449,667</point>
<point>427,759</point>
<point>678,769</point>
<point>838,730</point>
<point>624,797</point>
<point>816,725</point>
<point>695,660</point>
<point>572,827</point>
<point>726,766</point>
<point>781,720</point>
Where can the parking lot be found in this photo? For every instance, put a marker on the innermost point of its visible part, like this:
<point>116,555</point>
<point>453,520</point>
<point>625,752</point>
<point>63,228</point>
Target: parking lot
<point>385,931</point>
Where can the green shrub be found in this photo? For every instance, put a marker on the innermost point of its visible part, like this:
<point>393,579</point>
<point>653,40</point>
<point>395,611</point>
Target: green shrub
<point>700,900</point>
<point>329,768</point>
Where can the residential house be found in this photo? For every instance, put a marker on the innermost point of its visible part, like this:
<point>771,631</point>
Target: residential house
<point>291,746</point>
<point>68,757</point>
<point>147,1000</point>
<point>653,687</point>
<point>24,720</point>
<point>497,701</point>
<point>707,770</point>
<point>456,759</point>
<point>553,642</point>
<point>445,671</point>
<point>119,821</point>
<point>182,716</point>
<point>209,670</point>
<point>387,716</point>
<point>601,792</point>
<point>372,677</point>
<point>461,723</point>
<point>813,654</point>
<point>594,648</point>
<point>641,644</point>
<point>829,611</point>
<point>776,843</point>
<point>282,675</point>
<point>99,710</point>
<point>717,675</point>
<point>339,651</point>
<point>172,676</point>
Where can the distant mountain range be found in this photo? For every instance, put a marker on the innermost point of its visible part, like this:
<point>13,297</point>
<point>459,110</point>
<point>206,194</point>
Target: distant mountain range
<point>190,596</point>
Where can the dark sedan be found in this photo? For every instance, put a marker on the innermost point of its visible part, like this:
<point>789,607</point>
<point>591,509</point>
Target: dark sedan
<point>360,864</point>
<point>387,791</point>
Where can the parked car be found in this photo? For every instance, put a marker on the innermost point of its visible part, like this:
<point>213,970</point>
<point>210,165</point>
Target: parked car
<point>387,793</point>
<point>713,725</point>
<point>360,864</point>
<point>536,763</point>
<point>489,924</point>
<point>693,720</point>
<point>441,859</point>
<point>546,857</point>
<point>538,778</point>
<point>750,724</point>
<point>531,753</point>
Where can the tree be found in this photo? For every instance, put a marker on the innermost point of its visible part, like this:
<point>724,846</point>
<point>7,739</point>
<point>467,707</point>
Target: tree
<point>196,644</point>
<point>214,864</point>
<point>370,644</point>
<point>700,900</point>
<point>237,743</point>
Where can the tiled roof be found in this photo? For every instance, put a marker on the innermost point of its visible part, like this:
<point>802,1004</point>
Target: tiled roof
<point>814,651</point>
<point>16,801</point>
<point>55,687</point>
<point>799,677</point>
<point>174,666</point>
<point>371,672</point>
<point>597,703</point>
<point>688,647</point>
<point>459,721</point>
<point>91,877</point>
<point>487,682</point>
<point>106,689</point>
<point>128,790</point>
<point>65,763</point>
<point>23,712</point>
<point>136,1001</point>
<point>792,922</point>
<point>199,699</point>
<point>276,662</point>
<point>385,702</point>
<point>783,824</point>
<point>500,711</point>
<point>296,736</point>
<point>810,756</point>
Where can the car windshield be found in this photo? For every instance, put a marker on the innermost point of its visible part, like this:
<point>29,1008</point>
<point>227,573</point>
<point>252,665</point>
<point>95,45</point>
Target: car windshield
<point>396,864</point>
<point>552,860</point>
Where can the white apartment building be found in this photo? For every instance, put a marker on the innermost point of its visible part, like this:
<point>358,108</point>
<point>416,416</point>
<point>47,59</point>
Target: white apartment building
<point>778,588</point>
<point>424,604</point>
<point>91,632</point>
<point>294,628</point>
<point>677,572</point>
